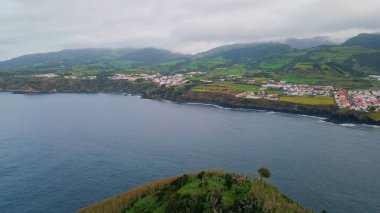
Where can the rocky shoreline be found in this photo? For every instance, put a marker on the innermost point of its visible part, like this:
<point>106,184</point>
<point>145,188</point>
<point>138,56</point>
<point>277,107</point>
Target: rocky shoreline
<point>329,113</point>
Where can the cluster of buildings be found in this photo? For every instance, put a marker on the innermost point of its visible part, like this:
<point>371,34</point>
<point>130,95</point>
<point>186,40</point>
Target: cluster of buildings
<point>134,77</point>
<point>47,75</point>
<point>377,77</point>
<point>172,80</point>
<point>304,89</point>
<point>359,100</point>
<point>299,89</point>
<point>376,93</point>
<point>258,95</point>
<point>53,75</point>
<point>286,89</point>
<point>91,77</point>
<point>250,81</point>
<point>232,77</point>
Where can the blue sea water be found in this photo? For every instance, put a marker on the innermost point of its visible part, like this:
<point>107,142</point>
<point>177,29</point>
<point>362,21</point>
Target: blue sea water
<point>62,152</point>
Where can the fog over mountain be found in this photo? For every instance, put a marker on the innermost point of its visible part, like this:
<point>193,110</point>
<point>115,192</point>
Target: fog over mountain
<point>187,26</point>
<point>302,43</point>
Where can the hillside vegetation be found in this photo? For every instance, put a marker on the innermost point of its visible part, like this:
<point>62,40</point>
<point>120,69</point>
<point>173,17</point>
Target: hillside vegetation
<point>358,57</point>
<point>212,191</point>
<point>370,41</point>
<point>89,59</point>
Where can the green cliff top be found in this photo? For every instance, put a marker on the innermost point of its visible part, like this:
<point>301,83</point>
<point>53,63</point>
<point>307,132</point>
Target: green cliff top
<point>211,191</point>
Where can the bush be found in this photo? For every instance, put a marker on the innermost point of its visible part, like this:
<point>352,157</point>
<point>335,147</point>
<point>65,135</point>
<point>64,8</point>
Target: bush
<point>229,180</point>
<point>180,181</point>
<point>264,172</point>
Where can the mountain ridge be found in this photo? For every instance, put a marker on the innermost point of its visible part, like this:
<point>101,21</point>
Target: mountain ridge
<point>366,40</point>
<point>92,55</point>
<point>358,56</point>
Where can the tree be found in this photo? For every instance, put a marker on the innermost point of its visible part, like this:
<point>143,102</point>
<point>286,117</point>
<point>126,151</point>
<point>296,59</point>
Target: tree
<point>201,176</point>
<point>264,172</point>
<point>229,180</point>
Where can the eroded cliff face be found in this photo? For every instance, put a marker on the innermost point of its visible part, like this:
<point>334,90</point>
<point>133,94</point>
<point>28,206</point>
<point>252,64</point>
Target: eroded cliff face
<point>232,101</point>
<point>330,112</point>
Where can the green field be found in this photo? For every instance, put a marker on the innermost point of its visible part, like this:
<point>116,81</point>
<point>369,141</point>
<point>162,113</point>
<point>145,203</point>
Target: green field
<point>274,64</point>
<point>204,63</point>
<point>225,88</point>
<point>281,61</point>
<point>200,89</point>
<point>223,72</point>
<point>309,100</point>
<point>304,80</point>
<point>303,66</point>
<point>172,62</point>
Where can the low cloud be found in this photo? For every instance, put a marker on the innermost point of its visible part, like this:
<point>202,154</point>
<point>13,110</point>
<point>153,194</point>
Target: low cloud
<point>189,26</point>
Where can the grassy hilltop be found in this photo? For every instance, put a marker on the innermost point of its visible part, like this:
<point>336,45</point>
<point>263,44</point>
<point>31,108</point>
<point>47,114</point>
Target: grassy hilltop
<point>211,191</point>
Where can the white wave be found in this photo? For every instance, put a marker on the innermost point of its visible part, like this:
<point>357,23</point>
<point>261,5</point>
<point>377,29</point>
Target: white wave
<point>373,126</point>
<point>268,112</point>
<point>348,125</point>
<point>211,105</point>
<point>312,116</point>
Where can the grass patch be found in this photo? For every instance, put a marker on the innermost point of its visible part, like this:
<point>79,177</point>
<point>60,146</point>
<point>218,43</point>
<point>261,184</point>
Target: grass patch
<point>200,89</point>
<point>309,100</point>
<point>172,62</point>
<point>375,116</point>
<point>225,88</point>
<point>303,66</point>
<point>295,79</point>
<point>272,198</point>
<point>205,63</point>
<point>224,72</point>
<point>276,63</point>
<point>124,201</point>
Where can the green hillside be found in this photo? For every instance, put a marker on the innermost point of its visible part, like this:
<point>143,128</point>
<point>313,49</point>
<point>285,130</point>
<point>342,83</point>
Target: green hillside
<point>366,40</point>
<point>357,57</point>
<point>325,60</point>
<point>212,191</point>
<point>89,60</point>
<point>322,61</point>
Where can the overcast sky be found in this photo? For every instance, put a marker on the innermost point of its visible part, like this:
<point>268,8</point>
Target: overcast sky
<point>188,26</point>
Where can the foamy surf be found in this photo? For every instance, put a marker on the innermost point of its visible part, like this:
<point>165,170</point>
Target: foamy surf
<point>348,125</point>
<point>210,105</point>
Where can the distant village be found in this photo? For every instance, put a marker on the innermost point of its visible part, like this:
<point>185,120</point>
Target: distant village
<point>53,75</point>
<point>358,100</point>
<point>171,80</point>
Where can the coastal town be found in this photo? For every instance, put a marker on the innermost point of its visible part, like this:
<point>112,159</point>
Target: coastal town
<point>358,100</point>
<point>269,89</point>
